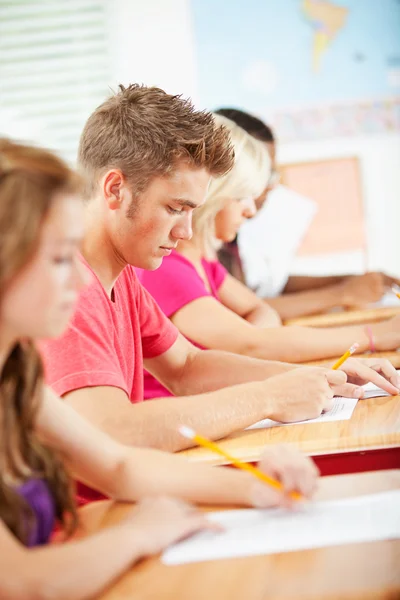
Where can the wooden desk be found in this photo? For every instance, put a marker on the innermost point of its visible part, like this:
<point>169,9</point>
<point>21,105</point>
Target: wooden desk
<point>366,571</point>
<point>369,441</point>
<point>348,317</point>
<point>393,357</point>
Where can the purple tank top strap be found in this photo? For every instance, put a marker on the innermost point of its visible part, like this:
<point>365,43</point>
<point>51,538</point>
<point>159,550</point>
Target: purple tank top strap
<point>38,496</point>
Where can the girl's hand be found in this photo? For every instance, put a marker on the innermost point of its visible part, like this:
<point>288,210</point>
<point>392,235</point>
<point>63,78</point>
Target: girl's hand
<point>157,522</point>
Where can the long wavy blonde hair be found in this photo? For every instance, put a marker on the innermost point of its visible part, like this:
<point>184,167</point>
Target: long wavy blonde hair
<point>247,179</point>
<point>30,178</point>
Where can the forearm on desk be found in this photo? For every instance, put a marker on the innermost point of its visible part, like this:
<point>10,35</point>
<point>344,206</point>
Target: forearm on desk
<point>71,571</point>
<point>151,472</point>
<point>214,369</point>
<point>303,344</point>
<point>304,303</point>
<point>303,283</point>
<point>155,423</point>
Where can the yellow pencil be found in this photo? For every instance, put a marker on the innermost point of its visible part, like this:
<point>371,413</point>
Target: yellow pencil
<point>396,291</point>
<point>345,356</point>
<point>187,432</point>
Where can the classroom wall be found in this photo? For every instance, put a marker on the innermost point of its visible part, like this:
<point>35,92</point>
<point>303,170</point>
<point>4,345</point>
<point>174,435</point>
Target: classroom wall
<point>153,42</point>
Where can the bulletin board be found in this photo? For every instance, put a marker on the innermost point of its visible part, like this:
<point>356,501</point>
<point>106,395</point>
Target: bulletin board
<point>335,185</point>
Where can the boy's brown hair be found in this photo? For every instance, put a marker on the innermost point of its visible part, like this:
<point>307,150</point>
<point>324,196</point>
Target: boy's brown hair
<point>144,132</point>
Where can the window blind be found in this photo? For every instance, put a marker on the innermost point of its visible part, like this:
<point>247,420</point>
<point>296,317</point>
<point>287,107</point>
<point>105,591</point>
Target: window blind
<point>54,69</point>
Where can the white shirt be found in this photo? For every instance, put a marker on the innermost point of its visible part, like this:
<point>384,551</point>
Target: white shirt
<point>268,243</point>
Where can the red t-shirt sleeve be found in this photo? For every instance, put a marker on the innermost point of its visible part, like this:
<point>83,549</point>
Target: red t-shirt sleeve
<point>158,333</point>
<point>174,284</point>
<point>84,356</point>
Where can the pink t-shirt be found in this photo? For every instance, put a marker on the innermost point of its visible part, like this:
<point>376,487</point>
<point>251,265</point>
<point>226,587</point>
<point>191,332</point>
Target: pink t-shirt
<point>106,341</point>
<point>173,285</point>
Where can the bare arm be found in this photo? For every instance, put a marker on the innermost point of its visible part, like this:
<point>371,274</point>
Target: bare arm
<point>303,283</point>
<point>184,369</point>
<point>72,571</point>
<point>308,302</point>
<point>126,473</point>
<point>292,395</point>
<point>348,291</point>
<point>244,302</point>
<point>373,282</point>
<point>155,423</point>
<point>81,569</point>
<point>208,323</point>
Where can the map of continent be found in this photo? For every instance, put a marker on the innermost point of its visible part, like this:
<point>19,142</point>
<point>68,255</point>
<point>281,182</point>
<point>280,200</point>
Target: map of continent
<point>312,68</point>
<point>327,19</point>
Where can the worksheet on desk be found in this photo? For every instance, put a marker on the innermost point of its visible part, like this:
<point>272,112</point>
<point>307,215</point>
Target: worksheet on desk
<point>372,391</point>
<point>250,532</point>
<point>342,410</point>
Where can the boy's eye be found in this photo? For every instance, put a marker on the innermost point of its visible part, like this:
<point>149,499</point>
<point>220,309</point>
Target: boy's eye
<point>174,211</point>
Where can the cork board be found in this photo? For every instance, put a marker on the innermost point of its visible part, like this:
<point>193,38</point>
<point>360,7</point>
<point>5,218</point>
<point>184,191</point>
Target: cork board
<point>335,185</point>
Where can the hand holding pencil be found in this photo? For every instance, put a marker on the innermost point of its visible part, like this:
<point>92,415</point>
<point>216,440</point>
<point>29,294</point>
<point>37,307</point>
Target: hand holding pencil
<point>206,443</point>
<point>286,475</point>
<point>396,290</point>
<point>256,472</point>
<point>345,356</point>
<point>378,371</point>
<point>260,474</point>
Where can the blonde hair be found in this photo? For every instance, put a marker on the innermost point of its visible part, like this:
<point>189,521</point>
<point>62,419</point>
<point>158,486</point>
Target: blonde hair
<point>247,179</point>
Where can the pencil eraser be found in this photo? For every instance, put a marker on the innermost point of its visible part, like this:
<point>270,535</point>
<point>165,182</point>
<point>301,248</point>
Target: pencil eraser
<point>186,432</point>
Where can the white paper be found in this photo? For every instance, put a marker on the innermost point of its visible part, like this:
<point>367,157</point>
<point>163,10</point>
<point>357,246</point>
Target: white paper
<point>372,391</point>
<point>387,301</point>
<point>342,409</point>
<point>250,532</point>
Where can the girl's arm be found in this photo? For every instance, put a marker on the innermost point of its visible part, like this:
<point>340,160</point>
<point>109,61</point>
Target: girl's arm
<point>213,325</point>
<point>79,570</point>
<point>127,473</point>
<point>241,300</point>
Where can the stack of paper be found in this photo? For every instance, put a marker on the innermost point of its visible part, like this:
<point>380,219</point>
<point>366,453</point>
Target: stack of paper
<point>250,532</point>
